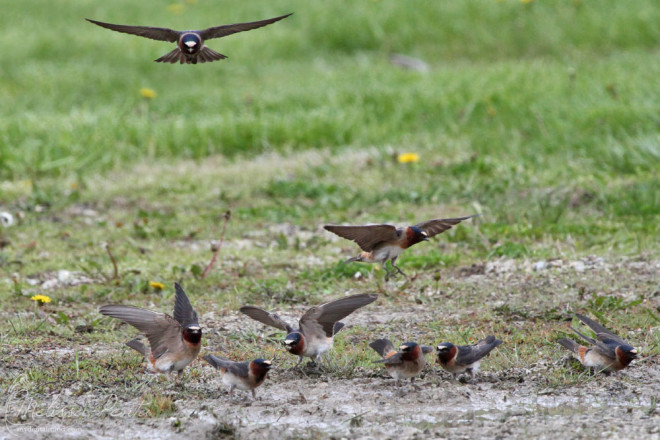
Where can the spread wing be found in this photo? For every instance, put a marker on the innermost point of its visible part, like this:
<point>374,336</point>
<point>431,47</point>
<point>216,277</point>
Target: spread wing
<point>266,318</point>
<point>162,331</point>
<point>602,333</point>
<point>468,354</point>
<point>183,310</point>
<point>383,347</point>
<point>438,226</point>
<point>238,368</point>
<point>367,237</point>
<point>228,29</point>
<point>325,316</point>
<point>155,33</point>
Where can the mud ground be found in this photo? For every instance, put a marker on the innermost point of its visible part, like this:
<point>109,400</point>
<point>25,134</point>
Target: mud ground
<point>516,402</point>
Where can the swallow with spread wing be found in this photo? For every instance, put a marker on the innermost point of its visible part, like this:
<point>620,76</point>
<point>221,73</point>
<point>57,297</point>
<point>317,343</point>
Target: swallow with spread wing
<point>316,328</point>
<point>174,342</point>
<point>381,243</point>
<point>190,44</point>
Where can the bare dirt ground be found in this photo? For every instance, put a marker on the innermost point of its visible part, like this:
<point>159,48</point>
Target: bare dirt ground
<point>520,401</point>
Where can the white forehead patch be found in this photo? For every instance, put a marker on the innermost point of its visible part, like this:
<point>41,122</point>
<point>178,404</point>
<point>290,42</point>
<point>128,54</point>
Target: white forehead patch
<point>289,341</point>
<point>441,347</point>
<point>191,43</point>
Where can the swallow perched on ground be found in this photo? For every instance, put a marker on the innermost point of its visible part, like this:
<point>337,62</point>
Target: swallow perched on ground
<point>465,358</point>
<point>316,328</point>
<point>242,375</point>
<point>174,341</point>
<point>190,44</point>
<point>403,364</point>
<point>386,242</point>
<point>608,353</point>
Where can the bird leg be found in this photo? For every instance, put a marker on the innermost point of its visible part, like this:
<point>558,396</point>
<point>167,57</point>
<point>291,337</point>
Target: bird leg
<point>254,395</point>
<point>392,261</point>
<point>388,274</point>
<point>412,382</point>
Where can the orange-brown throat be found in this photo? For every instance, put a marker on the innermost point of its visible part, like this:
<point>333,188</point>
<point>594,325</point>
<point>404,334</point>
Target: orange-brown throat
<point>192,335</point>
<point>259,372</point>
<point>625,357</point>
<point>446,357</point>
<point>411,355</point>
<point>295,343</point>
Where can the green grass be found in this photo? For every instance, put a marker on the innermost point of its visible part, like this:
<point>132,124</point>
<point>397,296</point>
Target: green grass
<point>541,116</point>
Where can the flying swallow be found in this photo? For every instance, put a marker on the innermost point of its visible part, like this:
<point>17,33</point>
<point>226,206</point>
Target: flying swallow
<point>380,243</point>
<point>190,44</point>
<point>242,375</point>
<point>608,353</point>
<point>174,341</point>
<point>403,364</point>
<point>465,358</point>
<point>316,328</point>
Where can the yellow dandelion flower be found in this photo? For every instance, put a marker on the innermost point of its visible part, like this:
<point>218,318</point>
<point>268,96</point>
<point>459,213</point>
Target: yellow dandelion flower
<point>147,93</point>
<point>41,299</point>
<point>176,8</point>
<point>408,158</point>
<point>156,285</point>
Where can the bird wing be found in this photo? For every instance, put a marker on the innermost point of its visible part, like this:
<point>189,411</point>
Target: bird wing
<point>396,358</point>
<point>325,316</point>
<point>602,333</point>
<point>183,310</point>
<point>228,29</point>
<point>367,237</point>
<point>266,318</point>
<point>468,354</point>
<point>155,33</point>
<point>440,225</point>
<point>162,331</point>
<point>238,368</point>
<point>585,337</point>
<point>382,346</point>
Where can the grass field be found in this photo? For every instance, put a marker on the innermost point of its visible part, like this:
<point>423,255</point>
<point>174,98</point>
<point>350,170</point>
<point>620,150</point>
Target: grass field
<point>542,116</point>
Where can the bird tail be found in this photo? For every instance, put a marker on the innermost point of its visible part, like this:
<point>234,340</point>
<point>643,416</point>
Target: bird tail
<point>172,57</point>
<point>569,344</point>
<point>383,347</point>
<point>138,346</point>
<point>358,258</point>
<point>208,55</point>
<point>216,361</point>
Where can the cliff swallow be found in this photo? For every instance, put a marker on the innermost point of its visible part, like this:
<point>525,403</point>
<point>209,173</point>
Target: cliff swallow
<point>190,44</point>
<point>386,242</point>
<point>403,364</point>
<point>316,328</point>
<point>174,341</point>
<point>465,358</point>
<point>242,375</point>
<point>608,353</point>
